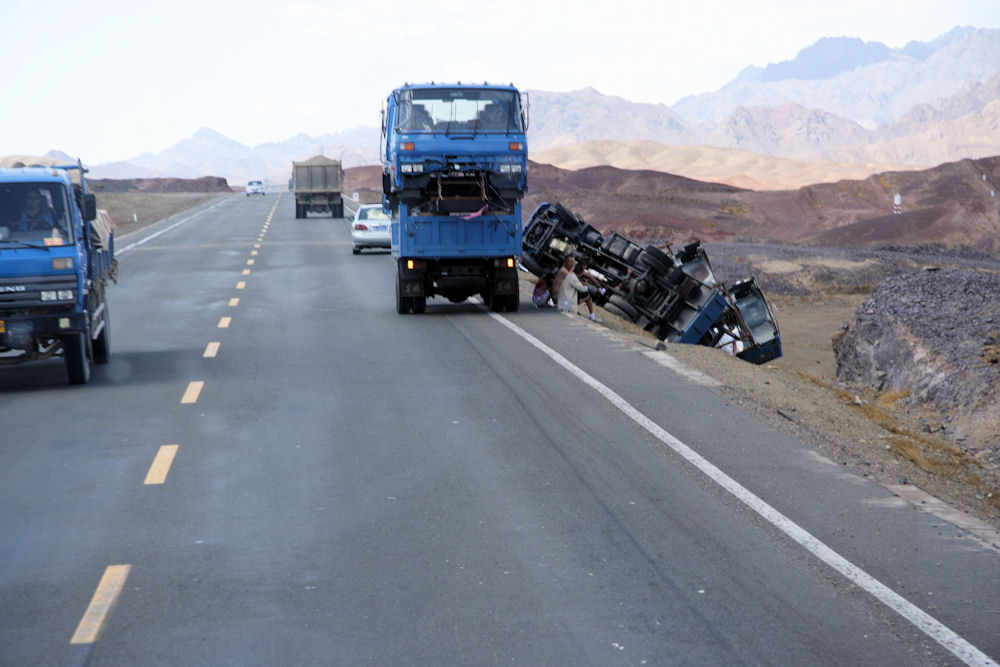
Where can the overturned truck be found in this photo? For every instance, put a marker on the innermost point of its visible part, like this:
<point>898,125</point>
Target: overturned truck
<point>672,294</point>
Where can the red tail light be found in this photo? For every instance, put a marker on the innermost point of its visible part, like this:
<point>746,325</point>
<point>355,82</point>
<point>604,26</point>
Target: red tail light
<point>360,226</point>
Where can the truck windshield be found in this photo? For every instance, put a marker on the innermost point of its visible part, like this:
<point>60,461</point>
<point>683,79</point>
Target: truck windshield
<point>459,109</point>
<point>34,213</point>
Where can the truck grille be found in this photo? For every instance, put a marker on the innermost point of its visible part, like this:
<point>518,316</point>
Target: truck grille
<point>26,291</point>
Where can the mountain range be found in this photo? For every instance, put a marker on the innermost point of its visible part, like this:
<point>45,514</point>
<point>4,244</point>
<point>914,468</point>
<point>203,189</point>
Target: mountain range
<point>840,99</point>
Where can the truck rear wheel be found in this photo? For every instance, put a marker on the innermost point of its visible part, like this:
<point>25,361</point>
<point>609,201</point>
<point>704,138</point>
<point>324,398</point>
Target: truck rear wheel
<point>513,302</point>
<point>418,303</point>
<point>77,359</point>
<point>620,304</point>
<point>658,260</point>
<point>403,303</point>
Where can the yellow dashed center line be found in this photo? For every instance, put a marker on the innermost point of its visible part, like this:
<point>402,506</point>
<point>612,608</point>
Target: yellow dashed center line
<point>249,262</point>
<point>101,604</point>
<point>192,392</point>
<point>161,465</point>
<point>241,284</point>
<point>234,302</point>
<point>246,272</point>
<point>224,322</point>
<point>211,350</point>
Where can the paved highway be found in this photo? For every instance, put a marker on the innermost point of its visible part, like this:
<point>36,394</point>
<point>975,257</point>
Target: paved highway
<point>276,468</point>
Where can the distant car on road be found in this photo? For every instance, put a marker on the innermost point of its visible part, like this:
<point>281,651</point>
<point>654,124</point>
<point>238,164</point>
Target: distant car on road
<point>370,228</point>
<point>255,188</point>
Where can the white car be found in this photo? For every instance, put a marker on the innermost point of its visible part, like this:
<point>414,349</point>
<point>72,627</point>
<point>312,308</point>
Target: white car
<point>255,188</point>
<point>370,228</point>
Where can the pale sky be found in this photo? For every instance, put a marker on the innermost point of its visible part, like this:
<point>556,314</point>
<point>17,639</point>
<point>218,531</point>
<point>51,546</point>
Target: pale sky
<point>105,80</point>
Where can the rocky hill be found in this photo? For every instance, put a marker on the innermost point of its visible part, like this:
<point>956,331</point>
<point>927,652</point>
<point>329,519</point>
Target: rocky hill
<point>955,204</point>
<point>739,168</point>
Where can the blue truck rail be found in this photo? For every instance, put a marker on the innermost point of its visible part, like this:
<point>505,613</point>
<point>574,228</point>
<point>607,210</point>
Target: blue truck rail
<point>56,260</point>
<point>454,173</point>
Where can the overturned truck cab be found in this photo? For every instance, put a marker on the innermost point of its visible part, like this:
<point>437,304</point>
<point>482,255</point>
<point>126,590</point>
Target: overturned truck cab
<point>454,161</point>
<point>672,294</point>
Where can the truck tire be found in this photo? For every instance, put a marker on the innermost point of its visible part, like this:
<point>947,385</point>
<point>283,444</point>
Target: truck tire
<point>615,310</point>
<point>77,359</point>
<point>658,260</point>
<point>513,303</point>
<point>403,303</point>
<point>102,344</point>
<point>627,309</point>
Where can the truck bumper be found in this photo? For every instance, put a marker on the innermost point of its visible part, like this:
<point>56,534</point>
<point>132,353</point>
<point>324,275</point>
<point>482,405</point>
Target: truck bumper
<point>25,328</point>
<point>36,336</point>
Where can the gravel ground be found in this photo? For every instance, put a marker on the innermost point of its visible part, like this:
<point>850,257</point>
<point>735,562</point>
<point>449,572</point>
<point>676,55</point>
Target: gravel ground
<point>863,420</point>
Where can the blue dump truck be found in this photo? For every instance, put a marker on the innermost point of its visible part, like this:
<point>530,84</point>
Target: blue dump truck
<point>454,171</point>
<point>56,260</point>
<point>673,294</point>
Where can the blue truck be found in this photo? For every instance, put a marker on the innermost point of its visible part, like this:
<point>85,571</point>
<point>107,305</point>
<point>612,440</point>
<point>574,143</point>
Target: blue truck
<point>454,171</point>
<point>56,261</point>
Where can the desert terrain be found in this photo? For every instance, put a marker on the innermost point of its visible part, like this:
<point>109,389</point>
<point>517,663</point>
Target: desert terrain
<point>816,291</point>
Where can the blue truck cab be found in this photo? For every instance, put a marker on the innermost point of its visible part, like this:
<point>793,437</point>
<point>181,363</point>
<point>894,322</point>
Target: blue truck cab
<point>56,258</point>
<point>454,171</point>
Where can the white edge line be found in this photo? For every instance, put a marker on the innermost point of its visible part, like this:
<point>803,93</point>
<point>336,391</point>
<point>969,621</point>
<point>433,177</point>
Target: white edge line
<point>930,626</point>
<point>152,236</point>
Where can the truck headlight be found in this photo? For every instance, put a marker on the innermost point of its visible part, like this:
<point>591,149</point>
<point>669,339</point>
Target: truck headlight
<point>510,168</point>
<point>62,263</point>
<point>58,295</point>
<point>411,168</point>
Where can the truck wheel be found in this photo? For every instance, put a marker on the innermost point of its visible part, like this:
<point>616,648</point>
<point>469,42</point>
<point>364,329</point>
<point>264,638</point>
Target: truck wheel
<point>627,309</point>
<point>658,260</point>
<point>77,361</point>
<point>513,302</point>
<point>102,344</point>
<point>403,303</point>
<point>418,303</point>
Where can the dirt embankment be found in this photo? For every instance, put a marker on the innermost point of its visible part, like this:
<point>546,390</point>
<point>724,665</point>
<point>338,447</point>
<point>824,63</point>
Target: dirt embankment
<point>890,361</point>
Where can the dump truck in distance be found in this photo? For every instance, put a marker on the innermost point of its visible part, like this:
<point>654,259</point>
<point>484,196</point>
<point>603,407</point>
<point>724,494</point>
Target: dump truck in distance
<point>56,261</point>
<point>318,185</point>
<point>454,171</point>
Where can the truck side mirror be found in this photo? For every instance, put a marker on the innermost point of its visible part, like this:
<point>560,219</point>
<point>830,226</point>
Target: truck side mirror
<point>89,207</point>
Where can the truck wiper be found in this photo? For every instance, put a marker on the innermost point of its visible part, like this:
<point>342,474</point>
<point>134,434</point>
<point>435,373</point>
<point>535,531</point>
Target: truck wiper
<point>24,244</point>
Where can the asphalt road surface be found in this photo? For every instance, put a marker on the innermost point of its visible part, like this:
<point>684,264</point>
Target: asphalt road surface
<point>276,468</point>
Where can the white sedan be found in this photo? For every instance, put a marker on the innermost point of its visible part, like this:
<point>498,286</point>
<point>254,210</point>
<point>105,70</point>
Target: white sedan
<point>370,228</point>
<point>255,188</point>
